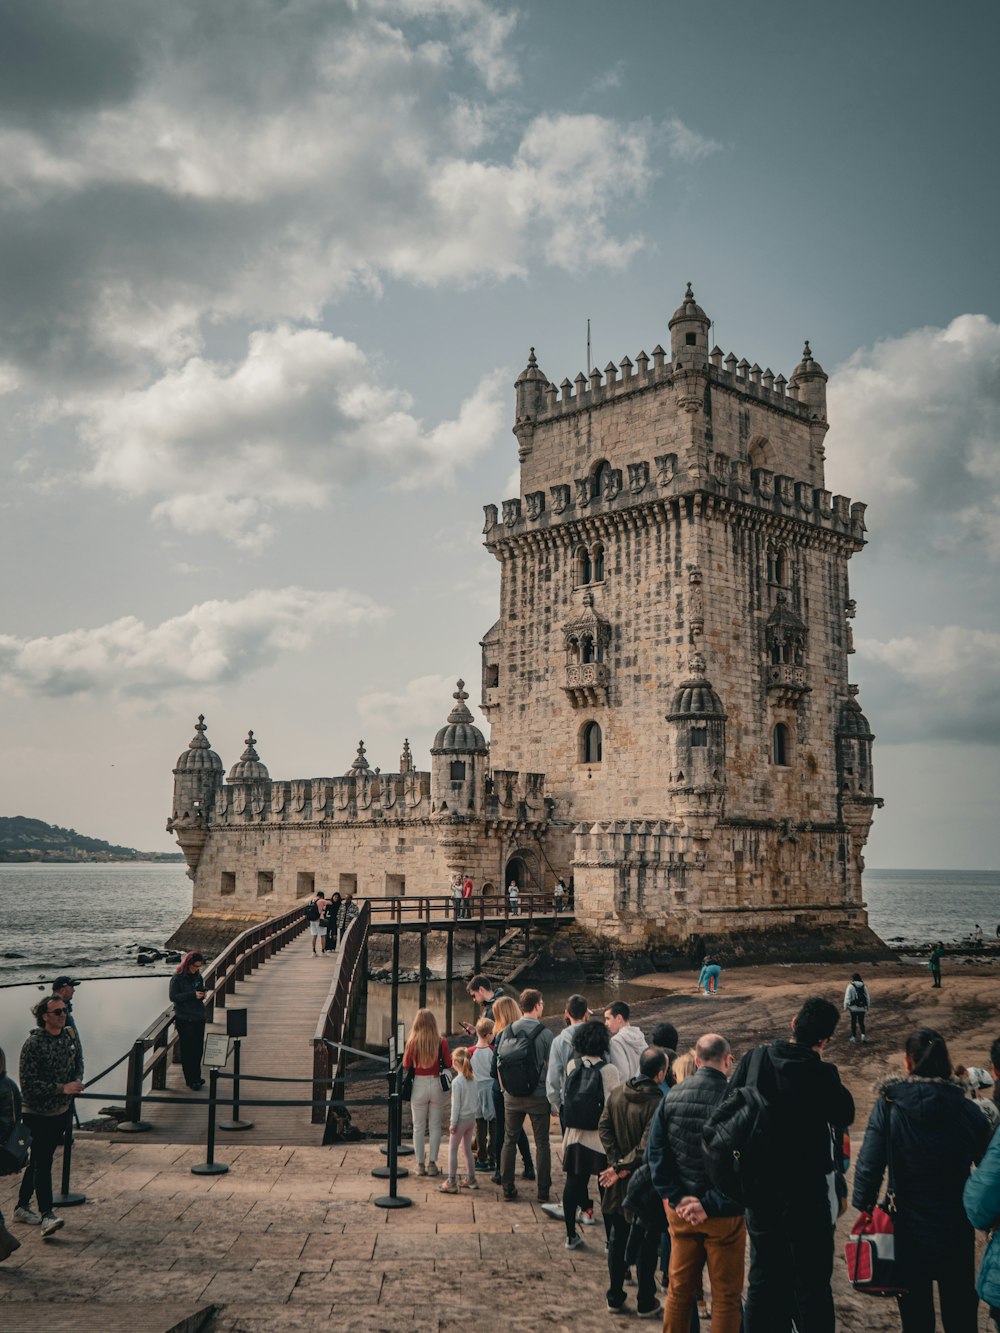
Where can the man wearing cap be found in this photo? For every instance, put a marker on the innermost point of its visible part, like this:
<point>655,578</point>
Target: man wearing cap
<point>63,988</point>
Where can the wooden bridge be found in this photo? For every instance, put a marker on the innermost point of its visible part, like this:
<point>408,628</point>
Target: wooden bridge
<point>300,1005</point>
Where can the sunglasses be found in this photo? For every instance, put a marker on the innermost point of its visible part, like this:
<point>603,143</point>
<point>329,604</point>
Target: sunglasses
<point>56,1011</point>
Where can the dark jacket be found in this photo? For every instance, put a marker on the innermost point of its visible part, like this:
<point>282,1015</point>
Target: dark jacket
<point>624,1129</point>
<point>675,1155</point>
<point>71,1023</point>
<point>937,1134</point>
<point>47,1064</point>
<point>9,1100</point>
<point>806,1098</point>
<point>186,1004</point>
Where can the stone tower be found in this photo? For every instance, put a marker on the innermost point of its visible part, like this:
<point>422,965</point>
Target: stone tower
<point>672,647</point>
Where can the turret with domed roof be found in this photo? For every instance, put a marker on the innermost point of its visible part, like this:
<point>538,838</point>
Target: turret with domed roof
<point>458,763</point>
<point>198,777</point>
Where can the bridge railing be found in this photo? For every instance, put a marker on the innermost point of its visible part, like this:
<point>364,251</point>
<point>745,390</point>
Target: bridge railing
<point>235,963</point>
<point>339,1010</point>
<point>437,907</point>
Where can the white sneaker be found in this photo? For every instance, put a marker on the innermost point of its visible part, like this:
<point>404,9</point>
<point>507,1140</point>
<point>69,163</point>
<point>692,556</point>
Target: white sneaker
<point>586,1216</point>
<point>852,1038</point>
<point>27,1216</point>
<point>51,1224</point>
<point>554,1210</point>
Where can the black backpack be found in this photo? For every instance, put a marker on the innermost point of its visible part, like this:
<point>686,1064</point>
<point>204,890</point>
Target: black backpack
<point>312,911</point>
<point>520,1062</point>
<point>860,994</point>
<point>737,1138</point>
<point>583,1095</point>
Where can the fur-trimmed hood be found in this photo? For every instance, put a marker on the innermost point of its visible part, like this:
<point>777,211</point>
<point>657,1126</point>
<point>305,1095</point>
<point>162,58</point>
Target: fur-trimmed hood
<point>930,1102</point>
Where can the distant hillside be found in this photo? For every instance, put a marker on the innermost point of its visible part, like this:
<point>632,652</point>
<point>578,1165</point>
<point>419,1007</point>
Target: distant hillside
<point>24,839</point>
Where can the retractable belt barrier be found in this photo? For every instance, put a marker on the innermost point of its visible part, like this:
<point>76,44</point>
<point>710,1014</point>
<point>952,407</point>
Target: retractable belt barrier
<point>134,1098</point>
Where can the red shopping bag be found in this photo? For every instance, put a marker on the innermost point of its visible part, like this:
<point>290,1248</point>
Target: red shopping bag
<point>872,1265</point>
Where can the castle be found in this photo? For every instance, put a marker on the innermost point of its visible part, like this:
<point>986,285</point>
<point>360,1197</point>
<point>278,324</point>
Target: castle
<point>667,686</point>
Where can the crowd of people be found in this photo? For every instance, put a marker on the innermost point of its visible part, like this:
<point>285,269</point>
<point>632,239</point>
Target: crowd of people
<point>635,1122</point>
<point>632,1118</point>
<point>328,919</point>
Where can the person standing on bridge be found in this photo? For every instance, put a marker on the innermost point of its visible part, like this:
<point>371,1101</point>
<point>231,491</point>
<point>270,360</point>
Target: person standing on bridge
<point>314,915</point>
<point>348,911</point>
<point>331,915</point>
<point>467,897</point>
<point>514,898</point>
<point>187,995</point>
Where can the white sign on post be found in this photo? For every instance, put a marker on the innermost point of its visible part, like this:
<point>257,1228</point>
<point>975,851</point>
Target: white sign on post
<point>218,1048</point>
<point>400,1040</point>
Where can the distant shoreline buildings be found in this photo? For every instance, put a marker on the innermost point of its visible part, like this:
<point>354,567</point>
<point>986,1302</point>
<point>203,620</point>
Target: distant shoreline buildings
<point>672,724</point>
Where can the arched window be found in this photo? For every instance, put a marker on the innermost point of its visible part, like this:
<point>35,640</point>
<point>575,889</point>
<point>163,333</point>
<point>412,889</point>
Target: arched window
<point>590,747</point>
<point>598,563</point>
<point>600,478</point>
<point>584,567</point>
<point>587,648</point>
<point>777,565</point>
<point>781,745</point>
<point>699,736</point>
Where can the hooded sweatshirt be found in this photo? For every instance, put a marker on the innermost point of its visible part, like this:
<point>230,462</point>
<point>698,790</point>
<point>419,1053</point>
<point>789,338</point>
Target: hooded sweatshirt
<point>937,1134</point>
<point>627,1047</point>
<point>806,1098</point>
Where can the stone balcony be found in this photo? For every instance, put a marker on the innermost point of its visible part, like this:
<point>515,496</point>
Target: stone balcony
<point>787,685</point>
<point>587,683</point>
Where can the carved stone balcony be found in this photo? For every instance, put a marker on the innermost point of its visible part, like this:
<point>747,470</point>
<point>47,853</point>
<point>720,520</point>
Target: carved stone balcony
<point>587,683</point>
<point>787,685</point>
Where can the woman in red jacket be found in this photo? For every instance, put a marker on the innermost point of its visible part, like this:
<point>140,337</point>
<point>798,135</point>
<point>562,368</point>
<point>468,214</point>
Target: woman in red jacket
<point>426,1053</point>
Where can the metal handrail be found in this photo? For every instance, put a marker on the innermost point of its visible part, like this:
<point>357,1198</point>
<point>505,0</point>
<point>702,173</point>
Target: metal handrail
<point>428,907</point>
<point>335,1017</point>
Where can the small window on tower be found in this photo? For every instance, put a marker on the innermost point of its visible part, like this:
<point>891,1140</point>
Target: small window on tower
<point>492,677</point>
<point>598,563</point>
<point>584,566</point>
<point>690,339</point>
<point>458,770</point>
<point>781,747</point>
<point>699,736</point>
<point>601,479</point>
<point>591,744</point>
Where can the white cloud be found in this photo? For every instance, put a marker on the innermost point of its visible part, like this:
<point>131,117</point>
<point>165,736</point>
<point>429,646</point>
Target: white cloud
<point>423,702</point>
<point>215,643</point>
<point>687,145</point>
<point>219,447</point>
<point>915,431</point>
<point>943,684</point>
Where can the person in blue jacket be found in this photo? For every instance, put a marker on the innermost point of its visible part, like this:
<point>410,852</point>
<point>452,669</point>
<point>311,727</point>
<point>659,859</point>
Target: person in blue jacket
<point>937,1135</point>
<point>982,1207</point>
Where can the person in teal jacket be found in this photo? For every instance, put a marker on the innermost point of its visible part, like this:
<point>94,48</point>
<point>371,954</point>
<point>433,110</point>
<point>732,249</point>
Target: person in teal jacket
<point>982,1207</point>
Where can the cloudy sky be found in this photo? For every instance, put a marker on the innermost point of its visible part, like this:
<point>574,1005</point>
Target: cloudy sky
<point>268,270</point>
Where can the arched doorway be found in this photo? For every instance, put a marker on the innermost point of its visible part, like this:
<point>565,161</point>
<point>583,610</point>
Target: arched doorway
<point>517,870</point>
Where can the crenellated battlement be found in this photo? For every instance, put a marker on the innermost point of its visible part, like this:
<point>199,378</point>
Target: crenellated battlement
<point>628,377</point>
<point>650,481</point>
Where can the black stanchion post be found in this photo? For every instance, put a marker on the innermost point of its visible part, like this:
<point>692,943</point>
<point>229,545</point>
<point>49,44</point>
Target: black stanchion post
<point>391,1128</point>
<point>236,1122</point>
<point>393,1199</point>
<point>210,1167</point>
<point>133,1124</point>
<point>66,1198</point>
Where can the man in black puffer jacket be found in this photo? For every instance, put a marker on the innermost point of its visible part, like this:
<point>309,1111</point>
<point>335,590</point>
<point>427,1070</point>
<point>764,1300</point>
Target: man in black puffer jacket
<point>705,1226</point>
<point>791,1227</point>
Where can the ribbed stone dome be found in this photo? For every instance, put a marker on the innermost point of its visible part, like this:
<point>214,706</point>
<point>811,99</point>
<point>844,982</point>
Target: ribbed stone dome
<point>199,757</point>
<point>531,371</point>
<point>689,309</point>
<point>460,735</point>
<point>695,698</point>
<point>248,767</point>
<point>807,366</point>
<point>852,722</point>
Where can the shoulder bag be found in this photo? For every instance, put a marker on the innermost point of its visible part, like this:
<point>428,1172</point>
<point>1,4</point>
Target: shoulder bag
<point>16,1146</point>
<point>872,1263</point>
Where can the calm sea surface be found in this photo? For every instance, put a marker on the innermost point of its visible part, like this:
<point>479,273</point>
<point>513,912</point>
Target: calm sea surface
<point>91,919</point>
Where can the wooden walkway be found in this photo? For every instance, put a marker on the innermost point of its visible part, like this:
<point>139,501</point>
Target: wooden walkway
<point>283,1000</point>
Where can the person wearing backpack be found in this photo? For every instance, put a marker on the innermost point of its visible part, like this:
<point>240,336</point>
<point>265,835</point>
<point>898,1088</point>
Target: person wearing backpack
<point>590,1077</point>
<point>522,1063</point>
<point>705,1225</point>
<point>624,1128</point>
<point>936,1136</point>
<point>857,1002</point>
<point>506,1011</point>
<point>314,913</point>
<point>788,1217</point>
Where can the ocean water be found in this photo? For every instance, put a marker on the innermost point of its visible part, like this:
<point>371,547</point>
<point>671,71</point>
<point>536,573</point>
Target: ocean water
<point>918,906</point>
